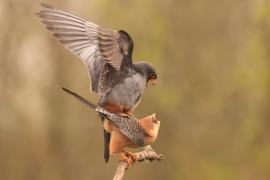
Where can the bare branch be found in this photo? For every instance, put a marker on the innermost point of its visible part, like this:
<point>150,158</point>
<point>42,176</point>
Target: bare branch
<point>147,154</point>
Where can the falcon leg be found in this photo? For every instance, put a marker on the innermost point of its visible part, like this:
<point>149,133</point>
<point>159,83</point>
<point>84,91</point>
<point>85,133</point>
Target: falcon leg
<point>125,114</point>
<point>130,114</point>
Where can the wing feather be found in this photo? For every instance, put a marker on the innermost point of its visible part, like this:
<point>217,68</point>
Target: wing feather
<point>94,45</point>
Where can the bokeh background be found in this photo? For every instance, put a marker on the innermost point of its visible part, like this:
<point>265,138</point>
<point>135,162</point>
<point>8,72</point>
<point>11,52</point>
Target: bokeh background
<point>213,93</point>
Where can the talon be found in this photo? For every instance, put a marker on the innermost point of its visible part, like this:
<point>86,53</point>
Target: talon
<point>129,158</point>
<point>125,158</point>
<point>132,156</point>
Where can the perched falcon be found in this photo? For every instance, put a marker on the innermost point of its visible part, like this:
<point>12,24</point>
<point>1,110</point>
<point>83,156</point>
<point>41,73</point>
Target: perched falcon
<point>126,131</point>
<point>108,55</point>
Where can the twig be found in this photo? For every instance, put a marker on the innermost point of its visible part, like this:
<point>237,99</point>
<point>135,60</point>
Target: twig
<point>147,154</point>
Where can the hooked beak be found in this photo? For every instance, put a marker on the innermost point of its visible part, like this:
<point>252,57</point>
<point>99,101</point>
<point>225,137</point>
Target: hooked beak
<point>153,116</point>
<point>152,81</point>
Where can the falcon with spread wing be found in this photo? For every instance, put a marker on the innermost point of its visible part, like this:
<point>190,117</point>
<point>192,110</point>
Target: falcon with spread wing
<point>108,55</point>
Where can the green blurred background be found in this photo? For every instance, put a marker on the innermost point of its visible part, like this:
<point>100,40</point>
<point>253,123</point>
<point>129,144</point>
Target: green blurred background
<point>213,93</point>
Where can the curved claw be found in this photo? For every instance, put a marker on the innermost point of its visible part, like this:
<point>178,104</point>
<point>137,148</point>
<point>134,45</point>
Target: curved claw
<point>132,156</point>
<point>124,158</point>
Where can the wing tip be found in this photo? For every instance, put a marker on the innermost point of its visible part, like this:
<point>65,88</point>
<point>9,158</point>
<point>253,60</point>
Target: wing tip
<point>47,6</point>
<point>38,14</point>
<point>107,138</point>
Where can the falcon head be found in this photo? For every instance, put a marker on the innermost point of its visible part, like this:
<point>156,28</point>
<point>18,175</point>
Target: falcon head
<point>148,71</point>
<point>151,126</point>
<point>156,124</point>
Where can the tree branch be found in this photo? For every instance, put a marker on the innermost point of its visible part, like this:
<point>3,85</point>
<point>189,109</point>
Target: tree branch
<point>147,154</point>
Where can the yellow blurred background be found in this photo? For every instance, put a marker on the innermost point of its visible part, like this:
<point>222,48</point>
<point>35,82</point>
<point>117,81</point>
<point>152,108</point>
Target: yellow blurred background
<point>212,96</point>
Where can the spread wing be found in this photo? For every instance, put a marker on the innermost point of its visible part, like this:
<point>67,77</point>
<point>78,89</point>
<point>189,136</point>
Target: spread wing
<point>101,50</point>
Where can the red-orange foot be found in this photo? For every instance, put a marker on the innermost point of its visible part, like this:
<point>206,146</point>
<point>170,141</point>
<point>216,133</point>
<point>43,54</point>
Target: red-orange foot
<point>129,158</point>
<point>132,156</point>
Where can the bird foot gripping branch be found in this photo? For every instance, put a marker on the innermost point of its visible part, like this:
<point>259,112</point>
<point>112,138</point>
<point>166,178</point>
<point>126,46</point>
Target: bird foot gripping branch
<point>129,158</point>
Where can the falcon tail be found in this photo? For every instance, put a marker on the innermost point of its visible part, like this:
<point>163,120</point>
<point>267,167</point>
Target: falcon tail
<point>84,101</point>
<point>107,135</point>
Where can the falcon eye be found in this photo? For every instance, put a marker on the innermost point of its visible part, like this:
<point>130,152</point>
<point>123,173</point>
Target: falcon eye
<point>154,120</point>
<point>153,76</point>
